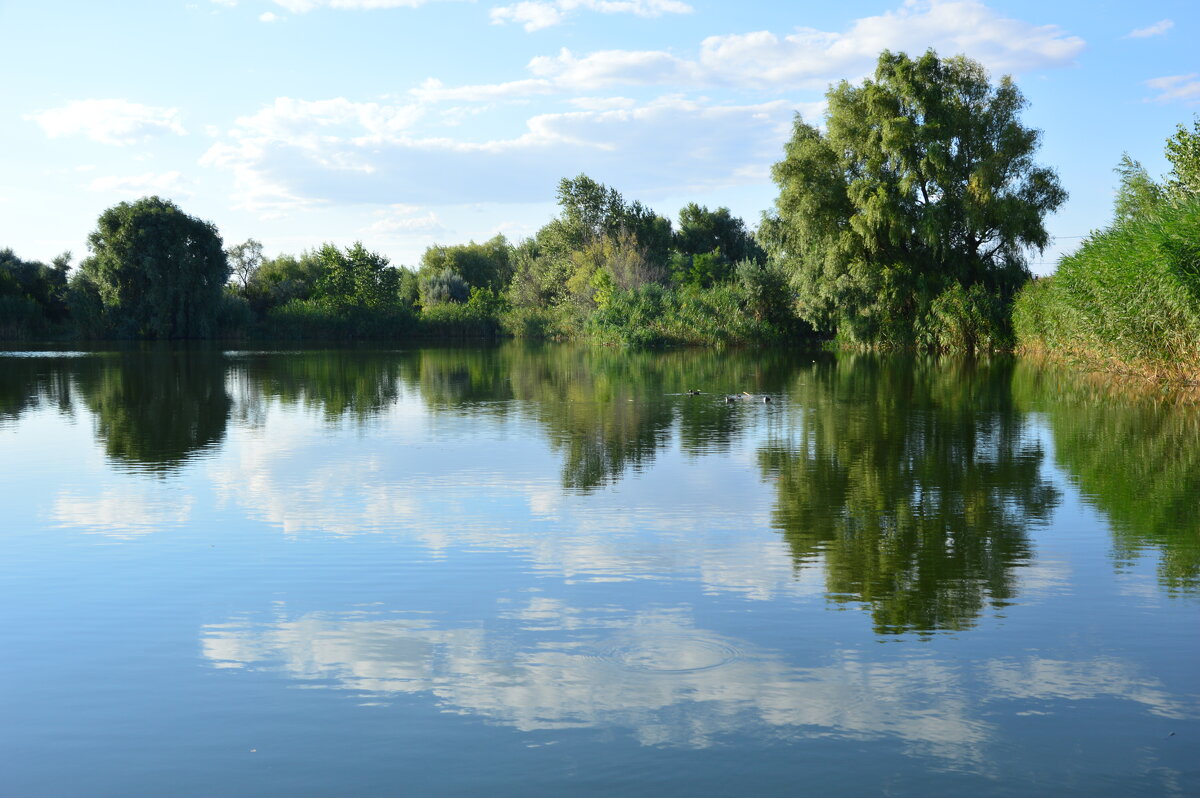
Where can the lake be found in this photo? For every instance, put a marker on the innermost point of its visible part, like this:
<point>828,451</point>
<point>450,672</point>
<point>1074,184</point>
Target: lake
<point>549,571</point>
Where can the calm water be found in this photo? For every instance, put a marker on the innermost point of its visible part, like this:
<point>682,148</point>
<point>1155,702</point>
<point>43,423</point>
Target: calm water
<point>549,572</point>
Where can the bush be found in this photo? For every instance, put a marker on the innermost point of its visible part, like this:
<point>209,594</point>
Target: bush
<point>321,319</point>
<point>967,320</point>
<point>478,317</point>
<point>441,287</point>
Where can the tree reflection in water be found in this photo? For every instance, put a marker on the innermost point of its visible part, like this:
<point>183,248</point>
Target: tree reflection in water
<point>914,483</point>
<point>156,407</point>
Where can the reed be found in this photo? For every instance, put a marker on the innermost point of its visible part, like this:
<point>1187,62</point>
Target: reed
<point>1128,301</point>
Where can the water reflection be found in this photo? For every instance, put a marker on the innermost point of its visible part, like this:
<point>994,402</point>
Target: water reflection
<point>1134,459</point>
<point>913,484</point>
<point>339,384</point>
<point>655,673</point>
<point>157,407</point>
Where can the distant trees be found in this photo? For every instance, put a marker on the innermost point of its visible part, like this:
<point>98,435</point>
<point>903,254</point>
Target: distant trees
<point>486,265</point>
<point>157,272</point>
<point>909,219</point>
<point>245,259</point>
<point>32,294</point>
<point>708,244</point>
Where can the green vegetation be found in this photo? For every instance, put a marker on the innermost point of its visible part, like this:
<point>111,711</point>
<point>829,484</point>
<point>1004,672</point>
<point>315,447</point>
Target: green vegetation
<point>1129,298</point>
<point>154,272</point>
<point>907,222</point>
<point>1134,458</point>
<point>914,485</point>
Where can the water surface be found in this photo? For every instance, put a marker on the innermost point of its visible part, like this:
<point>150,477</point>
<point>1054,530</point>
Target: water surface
<point>552,571</point>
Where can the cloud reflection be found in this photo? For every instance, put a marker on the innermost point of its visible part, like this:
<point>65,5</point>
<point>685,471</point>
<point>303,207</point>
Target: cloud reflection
<point>659,676</point>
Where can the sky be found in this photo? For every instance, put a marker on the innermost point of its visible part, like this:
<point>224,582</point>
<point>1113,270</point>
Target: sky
<point>404,123</point>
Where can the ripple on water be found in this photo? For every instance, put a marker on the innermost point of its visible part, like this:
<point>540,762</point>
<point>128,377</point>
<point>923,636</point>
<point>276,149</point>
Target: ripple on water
<point>671,654</point>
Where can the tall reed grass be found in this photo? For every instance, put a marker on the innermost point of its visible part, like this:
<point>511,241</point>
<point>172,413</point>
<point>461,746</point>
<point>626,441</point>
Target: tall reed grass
<point>1127,300</point>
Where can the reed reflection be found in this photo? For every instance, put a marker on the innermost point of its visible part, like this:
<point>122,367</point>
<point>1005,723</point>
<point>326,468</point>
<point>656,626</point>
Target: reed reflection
<point>339,384</point>
<point>913,483</point>
<point>1135,458</point>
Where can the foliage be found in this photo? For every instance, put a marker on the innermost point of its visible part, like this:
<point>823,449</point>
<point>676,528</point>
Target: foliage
<point>1137,193</point>
<point>486,265</point>
<point>159,272</point>
<point>478,317</point>
<point>245,260</point>
<point>279,280</point>
<point>925,524</point>
<point>442,287</point>
<point>33,296</point>
<point>323,319</point>
<point>1130,296</point>
<point>708,244</point>
<point>1183,152</point>
<point>355,277</point>
<point>924,179</point>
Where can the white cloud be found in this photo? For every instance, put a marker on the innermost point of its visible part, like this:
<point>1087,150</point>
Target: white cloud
<point>538,14</point>
<point>269,17</point>
<point>669,682</point>
<point>532,15</point>
<point>126,511</point>
<point>116,122</point>
<point>1157,29</point>
<point>434,91</point>
<point>166,184</point>
<point>299,152</point>
<point>304,6</point>
<point>811,58</point>
<point>403,222</point>
<point>1176,87</point>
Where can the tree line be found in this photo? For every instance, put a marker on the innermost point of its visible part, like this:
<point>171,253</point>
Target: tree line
<point>907,220</point>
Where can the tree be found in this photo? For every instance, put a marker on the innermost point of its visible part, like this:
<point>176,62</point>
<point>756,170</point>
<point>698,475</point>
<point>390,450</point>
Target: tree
<point>486,265</point>
<point>709,243</point>
<point>159,273</point>
<point>923,180</point>
<point>244,261</point>
<point>1137,194</point>
<point>1183,151</point>
<point>356,277</point>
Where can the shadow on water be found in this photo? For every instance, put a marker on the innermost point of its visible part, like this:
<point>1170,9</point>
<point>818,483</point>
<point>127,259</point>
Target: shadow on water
<point>913,482</point>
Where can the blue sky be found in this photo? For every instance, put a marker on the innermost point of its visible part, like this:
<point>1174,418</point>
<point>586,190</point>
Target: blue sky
<point>402,123</point>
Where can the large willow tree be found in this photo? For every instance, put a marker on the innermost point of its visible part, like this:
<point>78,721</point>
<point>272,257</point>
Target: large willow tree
<point>910,218</point>
<point>159,273</point>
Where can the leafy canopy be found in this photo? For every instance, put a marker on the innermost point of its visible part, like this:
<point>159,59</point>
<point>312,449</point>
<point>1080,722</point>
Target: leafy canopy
<point>159,273</point>
<point>924,179</point>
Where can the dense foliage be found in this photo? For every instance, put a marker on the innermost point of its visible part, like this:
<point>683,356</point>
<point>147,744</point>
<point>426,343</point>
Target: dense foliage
<point>157,272</point>
<point>908,220</point>
<point>1129,298</point>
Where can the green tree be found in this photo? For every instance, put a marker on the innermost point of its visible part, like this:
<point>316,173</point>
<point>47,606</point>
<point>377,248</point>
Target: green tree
<point>356,277</point>
<point>32,294</point>
<point>486,265</point>
<point>924,179</point>
<point>245,260</point>
<point>708,244</point>
<point>159,273</point>
<point>1183,151</point>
